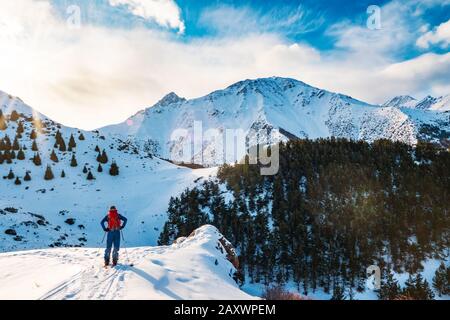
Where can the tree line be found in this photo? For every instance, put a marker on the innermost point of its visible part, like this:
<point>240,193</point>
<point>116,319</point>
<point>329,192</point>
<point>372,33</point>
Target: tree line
<point>334,208</point>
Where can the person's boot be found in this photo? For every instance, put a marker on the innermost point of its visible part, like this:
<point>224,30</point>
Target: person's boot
<point>106,263</point>
<point>114,262</point>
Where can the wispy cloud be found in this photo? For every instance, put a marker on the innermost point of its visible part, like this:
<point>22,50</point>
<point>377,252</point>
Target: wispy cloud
<point>230,20</point>
<point>164,12</point>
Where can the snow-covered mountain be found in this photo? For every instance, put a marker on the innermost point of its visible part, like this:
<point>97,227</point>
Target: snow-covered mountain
<point>66,211</point>
<point>401,101</point>
<point>441,104</point>
<point>270,110</point>
<point>193,268</point>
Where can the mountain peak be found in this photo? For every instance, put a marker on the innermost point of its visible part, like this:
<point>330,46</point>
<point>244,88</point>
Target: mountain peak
<point>401,101</point>
<point>269,81</point>
<point>169,99</point>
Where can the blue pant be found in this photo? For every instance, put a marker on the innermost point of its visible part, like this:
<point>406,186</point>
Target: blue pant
<point>113,239</point>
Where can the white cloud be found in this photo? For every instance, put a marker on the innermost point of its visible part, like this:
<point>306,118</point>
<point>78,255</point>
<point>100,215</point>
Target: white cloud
<point>438,36</point>
<point>164,12</point>
<point>92,76</point>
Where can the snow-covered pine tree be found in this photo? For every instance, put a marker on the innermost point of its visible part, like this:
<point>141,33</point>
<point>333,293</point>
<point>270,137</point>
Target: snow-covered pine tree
<point>441,280</point>
<point>114,170</point>
<point>90,176</point>
<point>33,134</point>
<point>48,174</point>
<point>37,159</point>
<point>16,145</point>
<point>73,161</point>
<point>53,156</point>
<point>390,289</point>
<point>21,155</point>
<point>72,143</point>
<point>11,175</point>
<point>27,176</point>
<point>34,146</point>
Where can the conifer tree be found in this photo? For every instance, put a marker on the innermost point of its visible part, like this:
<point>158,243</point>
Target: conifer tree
<point>27,176</point>
<point>17,182</point>
<point>441,280</point>
<point>97,149</point>
<point>33,134</point>
<point>390,289</point>
<point>62,145</point>
<point>20,128</point>
<point>21,155</point>
<point>13,154</point>
<point>34,146</point>
<point>102,157</point>
<point>58,137</point>
<point>11,174</point>
<point>73,161</point>
<point>418,288</point>
<point>85,170</point>
<point>48,174</point>
<point>90,176</point>
<point>7,143</point>
<point>2,159</point>
<point>14,116</point>
<point>81,137</point>
<point>16,145</point>
<point>338,293</point>
<point>3,124</point>
<point>72,143</point>
<point>114,170</point>
<point>63,174</point>
<point>53,156</point>
<point>37,159</point>
<point>7,156</point>
<point>99,168</point>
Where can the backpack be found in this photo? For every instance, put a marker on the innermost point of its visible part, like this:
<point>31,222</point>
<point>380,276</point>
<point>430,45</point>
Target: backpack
<point>113,220</point>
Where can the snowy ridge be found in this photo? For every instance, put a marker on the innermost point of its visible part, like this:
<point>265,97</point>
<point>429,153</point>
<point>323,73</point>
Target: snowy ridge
<point>271,110</point>
<point>401,101</point>
<point>195,269</point>
<point>430,103</point>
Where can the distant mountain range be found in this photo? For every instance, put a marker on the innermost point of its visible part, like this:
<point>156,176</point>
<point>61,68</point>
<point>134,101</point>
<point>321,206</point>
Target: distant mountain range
<point>271,110</point>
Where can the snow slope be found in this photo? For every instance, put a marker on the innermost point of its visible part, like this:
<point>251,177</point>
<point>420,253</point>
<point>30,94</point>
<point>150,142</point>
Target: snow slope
<point>267,111</point>
<point>196,268</point>
<point>40,211</point>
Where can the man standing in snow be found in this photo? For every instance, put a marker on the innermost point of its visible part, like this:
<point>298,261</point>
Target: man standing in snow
<point>113,218</point>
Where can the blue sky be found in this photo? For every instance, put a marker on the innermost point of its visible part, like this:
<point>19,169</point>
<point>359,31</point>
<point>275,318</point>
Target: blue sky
<point>319,16</point>
<point>110,58</point>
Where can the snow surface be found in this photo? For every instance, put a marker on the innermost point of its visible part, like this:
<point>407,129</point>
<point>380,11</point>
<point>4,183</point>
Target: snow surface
<point>182,271</point>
